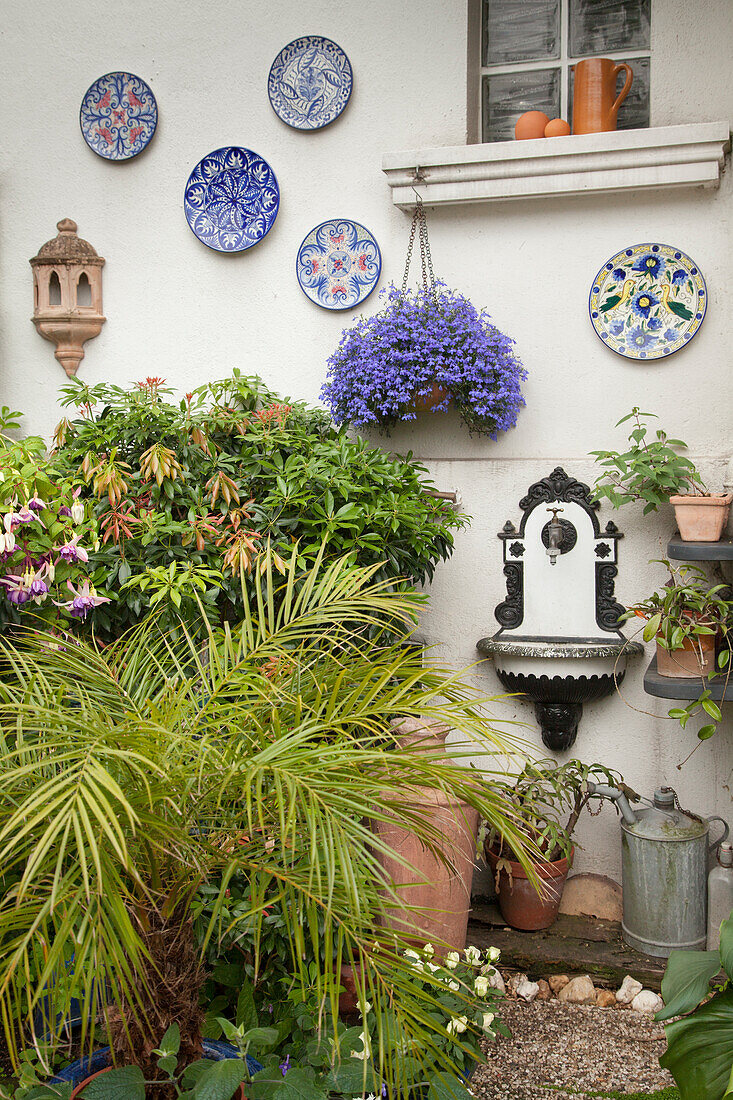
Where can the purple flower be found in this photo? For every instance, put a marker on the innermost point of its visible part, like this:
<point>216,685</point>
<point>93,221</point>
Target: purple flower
<point>36,504</point>
<point>18,590</point>
<point>285,1066</point>
<point>64,510</point>
<point>638,338</point>
<point>383,362</point>
<point>71,552</point>
<point>643,302</point>
<point>649,264</point>
<point>84,600</point>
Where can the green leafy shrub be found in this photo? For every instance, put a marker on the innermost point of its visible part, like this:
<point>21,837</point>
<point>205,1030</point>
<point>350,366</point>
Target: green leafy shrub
<point>187,494</point>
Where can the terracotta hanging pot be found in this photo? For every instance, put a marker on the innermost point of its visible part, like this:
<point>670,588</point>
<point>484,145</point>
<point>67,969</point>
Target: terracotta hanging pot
<point>694,660</point>
<point>595,103</point>
<point>521,905</point>
<point>701,519</point>
<point>427,402</point>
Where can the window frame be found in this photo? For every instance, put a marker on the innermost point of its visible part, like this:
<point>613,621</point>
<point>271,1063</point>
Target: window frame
<point>477,71</point>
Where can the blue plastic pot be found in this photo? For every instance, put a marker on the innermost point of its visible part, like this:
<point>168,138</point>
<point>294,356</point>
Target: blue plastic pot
<point>85,1067</point>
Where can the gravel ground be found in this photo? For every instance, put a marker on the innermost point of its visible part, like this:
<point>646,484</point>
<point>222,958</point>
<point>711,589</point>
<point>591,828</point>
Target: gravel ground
<point>580,1048</point>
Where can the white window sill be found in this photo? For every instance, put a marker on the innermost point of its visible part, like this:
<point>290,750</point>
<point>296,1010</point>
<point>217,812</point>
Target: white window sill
<point>669,156</point>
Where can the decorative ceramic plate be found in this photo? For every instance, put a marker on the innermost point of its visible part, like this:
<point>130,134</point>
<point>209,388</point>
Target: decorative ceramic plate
<point>118,116</point>
<point>231,199</point>
<point>338,264</point>
<point>310,82</point>
<point>648,301</point>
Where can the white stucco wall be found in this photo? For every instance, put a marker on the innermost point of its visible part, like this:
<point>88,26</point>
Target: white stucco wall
<point>177,309</point>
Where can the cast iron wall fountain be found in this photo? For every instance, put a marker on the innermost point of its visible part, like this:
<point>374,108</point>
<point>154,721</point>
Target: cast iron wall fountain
<point>559,642</point>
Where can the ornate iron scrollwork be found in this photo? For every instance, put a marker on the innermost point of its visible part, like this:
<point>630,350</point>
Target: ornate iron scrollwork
<point>510,612</point>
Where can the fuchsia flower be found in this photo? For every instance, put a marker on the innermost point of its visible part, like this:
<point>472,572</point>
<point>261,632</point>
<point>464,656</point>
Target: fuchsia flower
<point>77,508</point>
<point>71,552</point>
<point>85,600</point>
<point>36,504</point>
<point>30,586</point>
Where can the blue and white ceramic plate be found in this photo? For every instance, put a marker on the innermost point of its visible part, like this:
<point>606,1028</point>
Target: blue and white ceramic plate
<point>310,82</point>
<point>338,264</point>
<point>231,199</point>
<point>648,301</point>
<point>118,116</point>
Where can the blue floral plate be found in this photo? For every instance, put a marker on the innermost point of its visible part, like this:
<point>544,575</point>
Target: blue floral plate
<point>338,264</point>
<point>231,199</point>
<point>118,116</point>
<point>648,301</point>
<point>310,82</point>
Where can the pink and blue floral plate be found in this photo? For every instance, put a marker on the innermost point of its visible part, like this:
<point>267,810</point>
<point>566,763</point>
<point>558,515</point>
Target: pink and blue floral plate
<point>648,301</point>
<point>118,116</point>
<point>338,264</point>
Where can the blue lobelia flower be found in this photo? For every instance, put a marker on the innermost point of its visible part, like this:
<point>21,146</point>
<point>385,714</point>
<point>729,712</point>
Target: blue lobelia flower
<point>649,264</point>
<point>639,339</point>
<point>643,302</point>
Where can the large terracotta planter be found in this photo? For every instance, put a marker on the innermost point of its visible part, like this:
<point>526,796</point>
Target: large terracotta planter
<point>437,890</point>
<point>701,519</point>
<point>695,658</point>
<point>521,905</point>
<point>430,400</point>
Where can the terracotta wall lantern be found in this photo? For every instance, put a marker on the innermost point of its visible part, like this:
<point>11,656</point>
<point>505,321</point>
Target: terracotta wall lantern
<point>67,294</point>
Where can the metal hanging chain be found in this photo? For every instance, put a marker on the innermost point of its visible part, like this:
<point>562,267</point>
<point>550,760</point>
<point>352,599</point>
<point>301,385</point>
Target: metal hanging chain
<point>420,226</point>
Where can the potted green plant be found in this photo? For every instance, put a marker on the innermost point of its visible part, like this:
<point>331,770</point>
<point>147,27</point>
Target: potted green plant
<point>131,774</point>
<point>541,793</point>
<point>428,347</point>
<point>653,471</point>
<point>698,1025</point>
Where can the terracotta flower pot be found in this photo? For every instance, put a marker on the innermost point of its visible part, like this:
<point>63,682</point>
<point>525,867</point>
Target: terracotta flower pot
<point>521,905</point>
<point>696,658</point>
<point>428,401</point>
<point>701,519</point>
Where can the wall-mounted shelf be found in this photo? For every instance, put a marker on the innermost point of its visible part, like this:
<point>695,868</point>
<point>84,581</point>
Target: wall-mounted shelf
<point>667,156</point>
<point>678,687</point>
<point>699,551</point>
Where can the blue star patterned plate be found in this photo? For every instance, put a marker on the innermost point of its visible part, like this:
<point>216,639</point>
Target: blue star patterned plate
<point>648,301</point>
<point>118,116</point>
<point>338,264</point>
<point>231,199</point>
<point>310,82</point>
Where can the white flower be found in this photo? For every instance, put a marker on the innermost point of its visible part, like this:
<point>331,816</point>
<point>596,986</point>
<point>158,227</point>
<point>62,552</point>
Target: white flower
<point>410,954</point>
<point>481,986</point>
<point>77,511</point>
<point>362,1055</point>
<point>365,1008</point>
<point>473,955</point>
<point>428,950</point>
<point>432,967</point>
<point>452,960</point>
<point>454,986</point>
<point>493,954</point>
<point>487,1021</point>
<point>457,1024</point>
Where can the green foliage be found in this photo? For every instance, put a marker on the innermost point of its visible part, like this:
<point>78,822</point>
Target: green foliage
<point>699,1051</point>
<point>651,470</point>
<point>131,774</point>
<point>543,791</point>
<point>190,493</point>
<point>685,610</point>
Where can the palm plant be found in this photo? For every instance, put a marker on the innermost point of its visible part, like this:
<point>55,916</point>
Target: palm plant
<point>129,774</point>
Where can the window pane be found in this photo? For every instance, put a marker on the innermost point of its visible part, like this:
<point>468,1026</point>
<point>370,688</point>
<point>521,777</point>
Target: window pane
<point>634,111</point>
<point>599,26</point>
<point>508,96</point>
<point>521,30</point>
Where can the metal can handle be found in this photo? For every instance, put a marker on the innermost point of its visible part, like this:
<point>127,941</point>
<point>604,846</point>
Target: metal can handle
<point>714,844</point>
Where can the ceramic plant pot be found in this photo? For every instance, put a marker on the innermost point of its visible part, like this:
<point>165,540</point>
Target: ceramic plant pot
<point>437,890</point>
<point>701,519</point>
<point>595,103</point>
<point>521,905</point>
<point>694,660</point>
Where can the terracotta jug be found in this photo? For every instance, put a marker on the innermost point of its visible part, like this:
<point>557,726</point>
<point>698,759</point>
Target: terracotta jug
<point>595,103</point>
